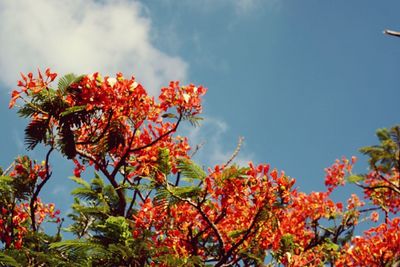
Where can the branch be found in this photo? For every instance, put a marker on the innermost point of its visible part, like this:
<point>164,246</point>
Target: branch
<point>160,137</point>
<point>392,33</point>
<point>205,217</point>
<point>125,155</point>
<point>100,135</point>
<point>377,187</point>
<point>133,199</point>
<point>178,177</point>
<point>38,189</point>
<point>111,179</point>
<point>389,182</point>
<point>5,172</point>
<point>369,209</point>
<point>235,153</point>
<point>229,253</point>
<point>196,149</point>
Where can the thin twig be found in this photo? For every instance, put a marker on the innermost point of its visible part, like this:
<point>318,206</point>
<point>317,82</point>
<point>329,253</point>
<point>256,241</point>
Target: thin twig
<point>235,153</point>
<point>205,217</point>
<point>392,33</point>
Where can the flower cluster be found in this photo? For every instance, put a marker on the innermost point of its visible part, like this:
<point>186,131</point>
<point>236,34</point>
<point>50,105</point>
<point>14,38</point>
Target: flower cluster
<point>384,190</point>
<point>26,169</point>
<point>335,174</point>
<point>379,246</point>
<point>32,85</point>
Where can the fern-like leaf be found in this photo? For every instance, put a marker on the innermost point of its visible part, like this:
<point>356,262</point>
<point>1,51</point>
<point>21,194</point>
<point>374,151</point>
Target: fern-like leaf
<point>189,169</point>
<point>395,135</point>
<point>78,250</point>
<point>163,161</point>
<point>6,260</point>
<point>67,80</point>
<point>80,181</point>
<point>72,110</point>
<point>27,111</point>
<point>35,133</point>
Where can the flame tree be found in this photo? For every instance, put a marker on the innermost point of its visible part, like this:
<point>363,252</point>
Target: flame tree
<point>149,203</point>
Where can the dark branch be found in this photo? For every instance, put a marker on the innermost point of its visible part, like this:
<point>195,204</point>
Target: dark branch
<point>392,33</point>
<point>39,187</point>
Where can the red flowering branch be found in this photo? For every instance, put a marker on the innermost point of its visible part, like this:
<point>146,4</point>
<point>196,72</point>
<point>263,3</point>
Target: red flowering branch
<point>39,187</point>
<point>244,237</point>
<point>205,217</point>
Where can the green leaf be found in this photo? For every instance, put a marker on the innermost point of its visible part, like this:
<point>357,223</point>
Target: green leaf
<point>189,169</point>
<point>73,109</point>
<point>78,249</point>
<point>236,233</point>
<point>84,193</point>
<point>80,181</point>
<point>26,111</point>
<point>116,229</point>
<point>163,161</point>
<point>186,191</point>
<point>355,178</point>
<point>383,134</point>
<point>169,115</point>
<point>67,80</point>
<point>6,260</point>
<point>194,121</point>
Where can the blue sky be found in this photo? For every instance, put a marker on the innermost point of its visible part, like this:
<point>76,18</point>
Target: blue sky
<point>304,82</point>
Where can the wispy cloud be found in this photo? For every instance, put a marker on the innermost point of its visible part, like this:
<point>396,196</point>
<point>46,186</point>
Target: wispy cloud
<point>246,6</point>
<point>83,36</point>
<point>212,138</point>
<point>240,7</point>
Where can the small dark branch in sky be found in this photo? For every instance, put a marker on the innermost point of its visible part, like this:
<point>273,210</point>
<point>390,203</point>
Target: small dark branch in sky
<point>178,177</point>
<point>392,33</point>
<point>235,153</point>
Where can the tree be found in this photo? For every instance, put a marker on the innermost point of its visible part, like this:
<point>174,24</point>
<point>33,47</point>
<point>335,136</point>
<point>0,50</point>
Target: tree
<point>149,203</point>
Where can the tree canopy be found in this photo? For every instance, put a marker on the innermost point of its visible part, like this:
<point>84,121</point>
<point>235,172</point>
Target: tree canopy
<point>148,203</point>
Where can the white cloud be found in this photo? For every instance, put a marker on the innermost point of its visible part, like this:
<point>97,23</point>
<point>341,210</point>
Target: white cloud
<point>245,6</point>
<point>83,36</point>
<point>211,135</point>
<point>240,7</point>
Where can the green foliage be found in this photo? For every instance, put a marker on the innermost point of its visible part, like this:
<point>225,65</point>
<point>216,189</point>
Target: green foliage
<point>20,187</point>
<point>163,161</point>
<point>6,260</point>
<point>355,178</point>
<point>94,202</point>
<point>79,251</point>
<point>190,170</point>
<point>171,260</point>
<point>386,155</point>
<point>114,230</point>
<point>103,239</point>
<point>52,103</point>
<point>194,121</point>
<point>233,172</point>
<point>102,222</point>
<point>67,80</point>
<point>71,110</point>
<point>6,185</point>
